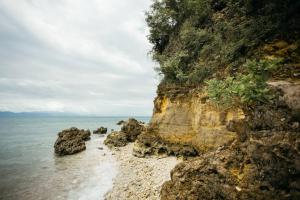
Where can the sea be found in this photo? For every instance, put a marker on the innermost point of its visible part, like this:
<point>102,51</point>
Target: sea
<point>29,169</point>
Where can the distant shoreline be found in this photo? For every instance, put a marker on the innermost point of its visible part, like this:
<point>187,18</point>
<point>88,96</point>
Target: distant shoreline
<point>63,114</point>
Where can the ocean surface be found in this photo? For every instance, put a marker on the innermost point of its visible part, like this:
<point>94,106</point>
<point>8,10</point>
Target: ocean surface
<point>29,168</point>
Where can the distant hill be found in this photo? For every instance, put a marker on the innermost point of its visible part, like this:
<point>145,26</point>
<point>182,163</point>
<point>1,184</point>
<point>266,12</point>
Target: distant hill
<point>12,114</point>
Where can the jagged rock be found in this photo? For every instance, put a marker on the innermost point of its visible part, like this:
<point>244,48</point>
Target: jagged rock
<point>100,130</point>
<point>290,94</point>
<point>265,166</point>
<point>71,141</point>
<point>132,128</point>
<point>116,139</point>
<point>129,132</point>
<point>120,122</point>
<point>150,144</point>
<point>282,114</point>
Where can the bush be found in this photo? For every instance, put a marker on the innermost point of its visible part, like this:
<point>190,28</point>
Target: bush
<point>244,89</point>
<point>173,67</point>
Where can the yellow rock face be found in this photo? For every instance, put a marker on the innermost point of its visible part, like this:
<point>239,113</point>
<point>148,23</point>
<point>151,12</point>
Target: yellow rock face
<point>189,119</point>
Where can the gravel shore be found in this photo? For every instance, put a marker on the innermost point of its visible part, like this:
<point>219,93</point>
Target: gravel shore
<point>139,178</point>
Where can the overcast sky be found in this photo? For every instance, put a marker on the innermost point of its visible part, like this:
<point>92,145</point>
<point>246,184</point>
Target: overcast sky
<point>77,56</point>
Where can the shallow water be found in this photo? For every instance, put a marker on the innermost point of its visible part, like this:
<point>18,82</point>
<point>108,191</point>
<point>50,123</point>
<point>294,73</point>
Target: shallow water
<point>30,170</point>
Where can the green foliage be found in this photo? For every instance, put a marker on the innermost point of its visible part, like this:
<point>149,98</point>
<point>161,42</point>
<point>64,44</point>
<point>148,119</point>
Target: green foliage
<point>215,33</point>
<point>244,89</point>
<point>172,67</point>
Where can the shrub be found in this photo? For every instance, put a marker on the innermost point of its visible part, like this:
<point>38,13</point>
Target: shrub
<point>244,89</point>
<point>173,67</point>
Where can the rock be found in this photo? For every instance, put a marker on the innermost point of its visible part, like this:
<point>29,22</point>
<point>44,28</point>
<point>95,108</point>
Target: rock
<point>71,141</point>
<point>100,148</point>
<point>100,130</point>
<point>116,139</point>
<point>184,115</point>
<point>132,128</point>
<point>129,132</point>
<point>150,144</point>
<point>282,114</point>
<point>265,166</point>
<point>290,93</point>
<point>120,122</point>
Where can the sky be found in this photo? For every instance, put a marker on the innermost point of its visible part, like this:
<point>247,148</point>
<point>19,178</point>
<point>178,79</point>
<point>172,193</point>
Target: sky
<point>88,57</point>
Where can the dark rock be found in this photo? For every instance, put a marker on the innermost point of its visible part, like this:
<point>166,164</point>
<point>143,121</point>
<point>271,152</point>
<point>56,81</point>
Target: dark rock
<point>265,166</point>
<point>100,130</point>
<point>71,141</point>
<point>280,115</point>
<point>132,128</point>
<point>129,132</point>
<point>121,122</point>
<point>150,144</point>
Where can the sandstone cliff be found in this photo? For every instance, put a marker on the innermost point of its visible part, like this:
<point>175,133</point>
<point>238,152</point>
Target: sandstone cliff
<point>184,116</point>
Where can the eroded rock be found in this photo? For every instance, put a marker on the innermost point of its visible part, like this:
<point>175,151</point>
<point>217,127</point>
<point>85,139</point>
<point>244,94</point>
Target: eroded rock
<point>148,144</point>
<point>129,132</point>
<point>120,122</point>
<point>100,130</point>
<point>265,166</point>
<point>116,139</point>
<point>71,141</point>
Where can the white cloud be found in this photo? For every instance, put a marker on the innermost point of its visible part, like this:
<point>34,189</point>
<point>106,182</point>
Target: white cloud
<point>75,56</point>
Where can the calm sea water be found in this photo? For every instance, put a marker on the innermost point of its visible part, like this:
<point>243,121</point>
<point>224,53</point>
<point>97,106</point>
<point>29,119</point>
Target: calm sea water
<point>30,170</point>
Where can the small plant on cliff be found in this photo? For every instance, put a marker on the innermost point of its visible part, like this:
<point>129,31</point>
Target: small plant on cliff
<point>244,89</point>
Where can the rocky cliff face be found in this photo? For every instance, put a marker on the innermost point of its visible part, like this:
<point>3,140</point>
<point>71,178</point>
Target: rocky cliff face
<point>265,166</point>
<point>246,53</point>
<point>183,116</point>
<point>239,155</point>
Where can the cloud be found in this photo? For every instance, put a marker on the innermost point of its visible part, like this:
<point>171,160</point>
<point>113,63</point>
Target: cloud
<point>76,56</point>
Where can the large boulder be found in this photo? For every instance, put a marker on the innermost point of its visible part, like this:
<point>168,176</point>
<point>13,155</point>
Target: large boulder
<point>130,130</point>
<point>100,130</point>
<point>71,141</point>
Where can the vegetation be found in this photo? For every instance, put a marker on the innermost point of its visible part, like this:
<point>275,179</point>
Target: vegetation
<point>194,39</point>
<point>244,89</point>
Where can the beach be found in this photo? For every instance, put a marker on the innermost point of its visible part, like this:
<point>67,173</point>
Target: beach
<point>139,178</point>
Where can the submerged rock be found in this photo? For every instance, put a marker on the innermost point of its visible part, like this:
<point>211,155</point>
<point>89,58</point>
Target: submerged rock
<point>129,132</point>
<point>71,141</point>
<point>100,130</point>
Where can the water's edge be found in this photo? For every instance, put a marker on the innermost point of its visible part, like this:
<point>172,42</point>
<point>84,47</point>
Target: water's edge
<point>30,170</point>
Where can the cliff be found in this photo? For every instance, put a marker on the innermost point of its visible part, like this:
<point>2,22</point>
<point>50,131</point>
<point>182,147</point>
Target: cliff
<point>229,97</point>
<point>183,116</point>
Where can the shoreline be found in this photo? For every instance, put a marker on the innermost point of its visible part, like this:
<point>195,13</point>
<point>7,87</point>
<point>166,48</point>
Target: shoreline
<point>139,178</point>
